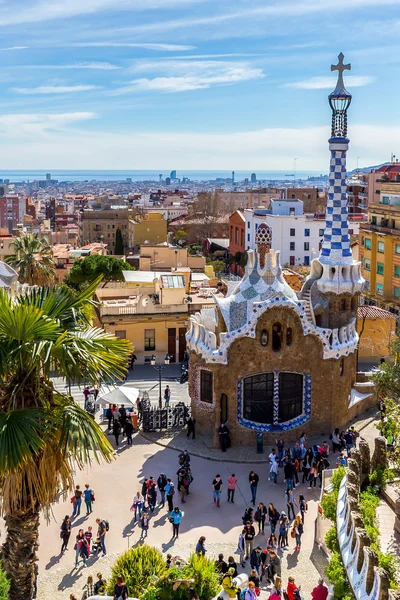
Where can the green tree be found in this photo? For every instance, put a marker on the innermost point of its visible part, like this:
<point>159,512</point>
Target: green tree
<point>140,567</point>
<point>44,435</point>
<point>180,237</point>
<point>91,267</point>
<point>119,243</point>
<point>33,260</point>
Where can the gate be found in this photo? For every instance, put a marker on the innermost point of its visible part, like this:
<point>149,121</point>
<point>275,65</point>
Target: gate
<point>172,417</point>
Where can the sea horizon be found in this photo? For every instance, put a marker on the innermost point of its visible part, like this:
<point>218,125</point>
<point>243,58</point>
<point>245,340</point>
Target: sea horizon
<point>70,175</point>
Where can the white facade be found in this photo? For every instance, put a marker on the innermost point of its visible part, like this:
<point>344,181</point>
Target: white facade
<point>297,237</point>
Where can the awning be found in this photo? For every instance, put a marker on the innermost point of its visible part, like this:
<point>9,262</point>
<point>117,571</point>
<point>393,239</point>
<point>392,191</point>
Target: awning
<point>355,397</point>
<point>125,394</point>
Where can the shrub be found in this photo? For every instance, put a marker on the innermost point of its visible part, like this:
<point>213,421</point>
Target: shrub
<point>390,564</point>
<point>329,505</point>
<point>4,585</point>
<point>337,477</point>
<point>331,539</point>
<point>140,567</point>
<point>380,476</point>
<point>336,574</point>
<point>369,502</point>
<point>202,570</point>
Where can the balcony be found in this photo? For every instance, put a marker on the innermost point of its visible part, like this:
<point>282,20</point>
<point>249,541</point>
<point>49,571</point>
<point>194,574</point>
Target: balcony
<point>380,229</point>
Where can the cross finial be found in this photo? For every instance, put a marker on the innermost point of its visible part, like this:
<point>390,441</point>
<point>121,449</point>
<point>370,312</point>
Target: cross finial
<point>340,67</point>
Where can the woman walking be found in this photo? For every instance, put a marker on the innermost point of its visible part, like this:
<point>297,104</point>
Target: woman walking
<point>152,497</point>
<point>137,505</point>
<point>65,532</point>
<point>144,525</point>
<point>175,518</point>
<point>313,475</point>
<point>260,516</point>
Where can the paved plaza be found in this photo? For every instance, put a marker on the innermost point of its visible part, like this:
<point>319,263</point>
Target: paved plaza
<point>116,483</point>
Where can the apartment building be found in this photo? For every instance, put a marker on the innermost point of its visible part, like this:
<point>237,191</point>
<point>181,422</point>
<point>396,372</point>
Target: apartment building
<point>101,226</point>
<point>380,248</point>
<point>150,228</point>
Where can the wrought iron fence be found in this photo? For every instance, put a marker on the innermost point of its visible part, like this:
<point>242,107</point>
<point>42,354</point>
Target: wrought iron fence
<point>171,417</point>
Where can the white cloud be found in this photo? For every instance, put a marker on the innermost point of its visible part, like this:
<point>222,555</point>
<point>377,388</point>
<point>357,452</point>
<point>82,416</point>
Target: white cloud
<point>193,75</point>
<point>101,66</point>
<point>146,46</point>
<point>14,48</point>
<point>321,83</point>
<point>13,13</point>
<point>31,125</point>
<point>55,89</point>
<point>47,139</point>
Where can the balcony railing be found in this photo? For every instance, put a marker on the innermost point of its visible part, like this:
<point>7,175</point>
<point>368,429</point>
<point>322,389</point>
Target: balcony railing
<point>380,229</point>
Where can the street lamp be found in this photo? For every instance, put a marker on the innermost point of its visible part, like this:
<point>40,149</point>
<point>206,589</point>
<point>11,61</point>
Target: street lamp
<point>159,368</point>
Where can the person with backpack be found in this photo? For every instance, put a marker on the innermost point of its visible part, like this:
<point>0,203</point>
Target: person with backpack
<point>77,501</point>
<point>169,494</point>
<point>116,430</point>
<point>161,483</point>
<point>276,590</point>
<point>249,593</point>
<point>298,531</point>
<point>128,431</point>
<point>103,528</point>
<point>274,567</point>
<point>303,507</point>
<point>137,505</point>
<point>89,496</point>
<point>241,549</point>
<point>183,482</point>
<point>100,585</point>
<point>175,518</point>
<point>152,496</point>
<point>290,471</point>
<point>120,589</point>
<point>184,458</point>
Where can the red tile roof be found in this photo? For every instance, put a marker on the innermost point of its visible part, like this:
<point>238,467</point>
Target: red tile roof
<point>373,312</point>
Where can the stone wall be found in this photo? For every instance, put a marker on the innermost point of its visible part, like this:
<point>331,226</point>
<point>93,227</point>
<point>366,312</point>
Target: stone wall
<point>329,388</point>
<point>367,580</point>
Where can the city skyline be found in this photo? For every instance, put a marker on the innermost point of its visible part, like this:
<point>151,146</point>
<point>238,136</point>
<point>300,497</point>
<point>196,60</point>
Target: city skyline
<point>190,84</point>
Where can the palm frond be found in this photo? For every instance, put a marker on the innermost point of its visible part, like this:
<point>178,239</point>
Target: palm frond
<point>81,439</point>
<point>21,438</point>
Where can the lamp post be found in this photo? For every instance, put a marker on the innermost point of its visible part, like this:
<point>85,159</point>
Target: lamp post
<point>159,368</point>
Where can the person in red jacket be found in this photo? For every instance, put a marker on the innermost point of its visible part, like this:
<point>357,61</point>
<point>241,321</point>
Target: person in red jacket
<point>320,592</point>
<point>291,589</point>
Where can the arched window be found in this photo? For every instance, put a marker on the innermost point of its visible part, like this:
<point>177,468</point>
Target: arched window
<point>289,336</point>
<point>341,368</point>
<point>206,386</point>
<point>343,305</point>
<point>354,304</point>
<point>276,336</point>
<point>224,408</point>
<point>264,337</point>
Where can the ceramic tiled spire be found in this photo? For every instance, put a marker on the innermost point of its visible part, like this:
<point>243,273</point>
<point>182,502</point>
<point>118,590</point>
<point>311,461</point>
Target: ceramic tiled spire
<point>336,249</point>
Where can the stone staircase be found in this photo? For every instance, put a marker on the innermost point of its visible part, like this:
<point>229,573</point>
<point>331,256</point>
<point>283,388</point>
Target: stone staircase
<point>307,300</point>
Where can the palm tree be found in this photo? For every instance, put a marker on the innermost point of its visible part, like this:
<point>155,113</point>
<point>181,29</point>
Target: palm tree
<point>33,260</point>
<point>45,435</point>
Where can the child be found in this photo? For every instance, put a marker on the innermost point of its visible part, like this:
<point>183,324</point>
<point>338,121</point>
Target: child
<point>144,524</point>
<point>96,547</point>
<point>256,580</point>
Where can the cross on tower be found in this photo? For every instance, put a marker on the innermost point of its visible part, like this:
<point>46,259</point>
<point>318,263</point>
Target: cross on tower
<point>340,67</point>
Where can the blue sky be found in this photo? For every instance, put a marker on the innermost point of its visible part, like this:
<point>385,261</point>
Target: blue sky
<point>194,84</point>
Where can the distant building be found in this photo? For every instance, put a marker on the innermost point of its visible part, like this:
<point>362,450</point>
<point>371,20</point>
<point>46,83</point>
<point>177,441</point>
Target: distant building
<point>156,257</point>
<point>380,247</point>
<point>167,181</point>
<point>149,229</point>
<point>237,239</point>
<point>172,175</point>
<point>377,329</point>
<point>48,176</point>
<point>101,226</point>
<point>253,178</point>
